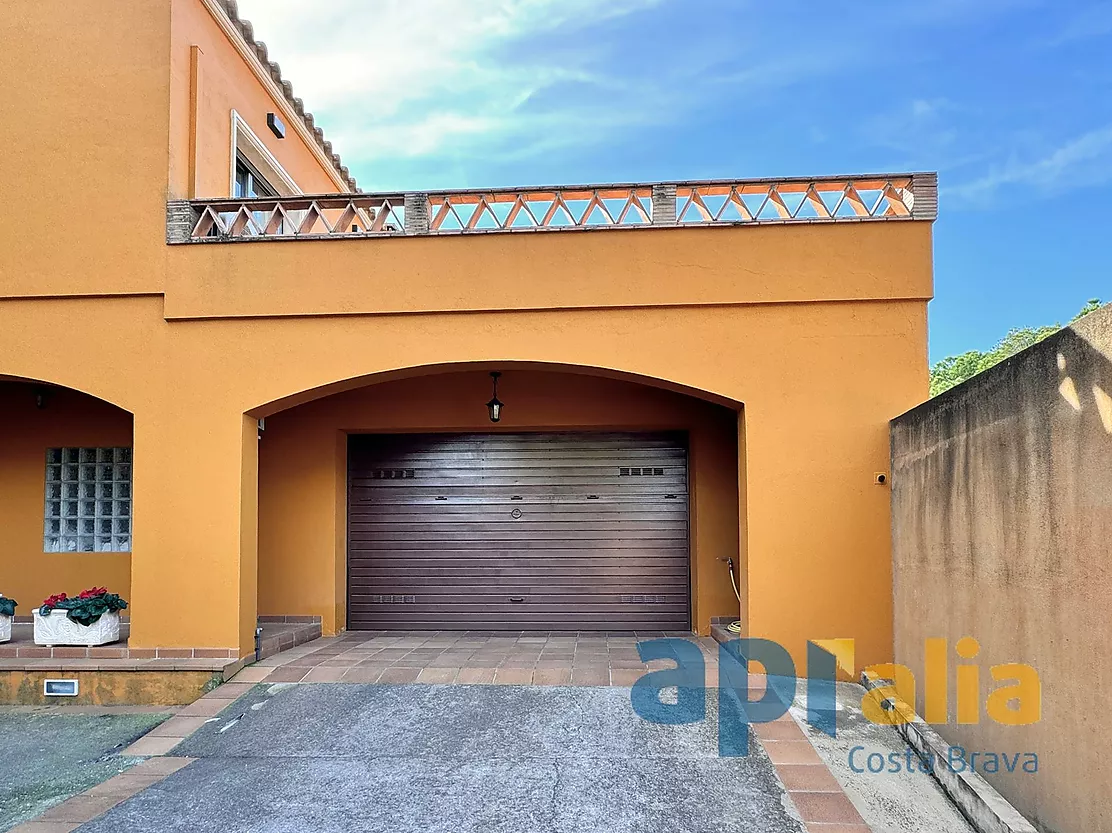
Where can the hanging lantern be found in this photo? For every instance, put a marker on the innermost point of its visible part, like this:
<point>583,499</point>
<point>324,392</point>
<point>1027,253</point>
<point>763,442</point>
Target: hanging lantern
<point>494,406</point>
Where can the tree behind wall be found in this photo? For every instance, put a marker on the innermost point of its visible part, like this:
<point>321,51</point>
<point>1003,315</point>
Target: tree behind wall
<point>953,370</point>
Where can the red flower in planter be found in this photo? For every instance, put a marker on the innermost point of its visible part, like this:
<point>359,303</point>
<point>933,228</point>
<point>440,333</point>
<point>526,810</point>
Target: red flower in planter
<point>86,607</point>
<point>54,600</point>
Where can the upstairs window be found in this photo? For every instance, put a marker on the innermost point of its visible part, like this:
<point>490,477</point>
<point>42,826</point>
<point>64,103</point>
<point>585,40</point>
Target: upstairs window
<point>249,182</point>
<point>88,500</point>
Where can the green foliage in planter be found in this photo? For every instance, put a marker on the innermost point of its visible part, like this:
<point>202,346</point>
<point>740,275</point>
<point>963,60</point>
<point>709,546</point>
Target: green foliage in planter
<point>87,607</point>
<point>7,606</point>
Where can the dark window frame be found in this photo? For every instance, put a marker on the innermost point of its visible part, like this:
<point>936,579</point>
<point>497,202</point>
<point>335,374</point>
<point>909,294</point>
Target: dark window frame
<point>249,182</point>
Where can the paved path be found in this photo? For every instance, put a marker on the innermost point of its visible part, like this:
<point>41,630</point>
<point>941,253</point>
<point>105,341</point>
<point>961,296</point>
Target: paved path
<point>456,759</point>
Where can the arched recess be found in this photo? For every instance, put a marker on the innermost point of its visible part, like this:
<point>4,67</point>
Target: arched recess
<point>341,385</point>
<point>303,456</point>
<point>65,491</point>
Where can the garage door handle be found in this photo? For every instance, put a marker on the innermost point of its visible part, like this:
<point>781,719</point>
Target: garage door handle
<point>516,599</point>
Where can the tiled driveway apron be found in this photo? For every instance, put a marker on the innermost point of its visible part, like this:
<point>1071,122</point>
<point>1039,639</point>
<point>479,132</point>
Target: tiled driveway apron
<point>454,759</point>
<point>473,657</point>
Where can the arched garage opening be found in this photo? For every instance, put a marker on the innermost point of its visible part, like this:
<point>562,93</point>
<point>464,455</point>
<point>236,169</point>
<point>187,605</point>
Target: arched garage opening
<point>596,503</point>
<point>65,492</point>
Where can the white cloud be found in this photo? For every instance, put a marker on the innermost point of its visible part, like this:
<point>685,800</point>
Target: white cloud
<point>916,127</point>
<point>400,79</point>
<point>1078,163</point>
<point>1091,22</point>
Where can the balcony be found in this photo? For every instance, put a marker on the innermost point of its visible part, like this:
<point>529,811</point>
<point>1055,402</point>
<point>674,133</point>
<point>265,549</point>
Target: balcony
<point>853,199</point>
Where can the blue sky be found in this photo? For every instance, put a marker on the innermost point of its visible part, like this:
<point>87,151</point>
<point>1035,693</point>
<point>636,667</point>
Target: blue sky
<point>1009,100</point>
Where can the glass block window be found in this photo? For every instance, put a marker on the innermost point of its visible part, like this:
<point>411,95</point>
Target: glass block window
<point>88,500</point>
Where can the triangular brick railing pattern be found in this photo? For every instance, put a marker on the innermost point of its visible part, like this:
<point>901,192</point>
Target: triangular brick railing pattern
<point>564,208</point>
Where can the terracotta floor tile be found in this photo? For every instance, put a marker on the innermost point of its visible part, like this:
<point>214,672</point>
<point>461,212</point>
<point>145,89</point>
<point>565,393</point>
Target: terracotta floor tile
<point>628,665</point>
<point>230,691</point>
<point>392,653</point>
<point>45,827</point>
<point>166,765</point>
<point>590,676</point>
<point>554,664</point>
<point>437,676</point>
<point>552,676</point>
<point>513,676</point>
<point>124,785</point>
<point>362,676</point>
<point>832,808</point>
<point>451,661</point>
<point>80,808</point>
<point>624,676</point>
<point>819,827</point>
<point>779,730</point>
<point>399,674</point>
<point>178,727</point>
<point>592,669</point>
<point>372,666</point>
<point>475,676</point>
<point>286,674</point>
<point>791,752</point>
<point>808,778</point>
<point>324,674</point>
<point>204,708</point>
<point>149,746</point>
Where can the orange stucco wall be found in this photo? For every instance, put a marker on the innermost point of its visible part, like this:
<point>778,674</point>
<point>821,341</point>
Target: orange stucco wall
<point>83,146</point>
<point>818,382</point>
<point>201,102</point>
<point>303,462</point>
<point>638,268</point>
<point>96,136</point>
<point>69,418</point>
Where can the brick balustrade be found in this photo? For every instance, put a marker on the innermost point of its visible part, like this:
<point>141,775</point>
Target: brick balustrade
<point>557,208</point>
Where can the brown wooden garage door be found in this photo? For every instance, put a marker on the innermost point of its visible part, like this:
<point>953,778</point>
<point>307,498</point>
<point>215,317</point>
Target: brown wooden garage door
<point>567,531</point>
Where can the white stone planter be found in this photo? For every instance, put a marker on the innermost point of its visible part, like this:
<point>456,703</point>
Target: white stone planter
<point>5,628</point>
<point>59,629</point>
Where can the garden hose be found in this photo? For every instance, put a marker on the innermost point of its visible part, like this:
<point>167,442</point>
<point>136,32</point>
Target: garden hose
<point>735,626</point>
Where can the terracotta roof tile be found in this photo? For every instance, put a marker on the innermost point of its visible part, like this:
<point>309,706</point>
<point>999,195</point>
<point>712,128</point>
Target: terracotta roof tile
<point>248,31</point>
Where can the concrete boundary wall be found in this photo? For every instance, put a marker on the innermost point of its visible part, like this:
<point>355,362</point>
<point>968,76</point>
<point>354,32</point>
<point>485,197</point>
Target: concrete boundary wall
<point>1002,524</point>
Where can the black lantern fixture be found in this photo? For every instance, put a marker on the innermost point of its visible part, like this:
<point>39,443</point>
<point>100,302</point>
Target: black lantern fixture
<point>494,406</point>
<point>42,396</point>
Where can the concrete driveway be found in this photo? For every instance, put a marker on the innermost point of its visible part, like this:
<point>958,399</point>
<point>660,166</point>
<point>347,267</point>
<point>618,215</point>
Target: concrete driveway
<point>490,759</point>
